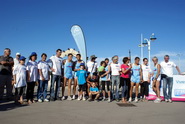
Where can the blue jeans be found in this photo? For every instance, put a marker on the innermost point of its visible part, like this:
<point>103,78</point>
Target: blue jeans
<point>42,92</point>
<point>115,81</point>
<point>168,81</point>
<point>55,94</point>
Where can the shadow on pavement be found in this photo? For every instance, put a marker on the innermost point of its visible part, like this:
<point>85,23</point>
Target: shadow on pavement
<point>7,105</point>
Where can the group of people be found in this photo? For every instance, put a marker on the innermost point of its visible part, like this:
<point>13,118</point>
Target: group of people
<point>92,80</point>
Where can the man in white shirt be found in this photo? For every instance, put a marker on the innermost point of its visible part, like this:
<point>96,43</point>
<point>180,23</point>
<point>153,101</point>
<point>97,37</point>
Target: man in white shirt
<point>57,73</point>
<point>16,59</point>
<point>92,65</point>
<point>167,77</point>
<point>115,69</point>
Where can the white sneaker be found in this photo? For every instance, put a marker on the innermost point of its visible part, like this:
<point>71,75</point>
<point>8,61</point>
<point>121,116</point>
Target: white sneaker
<point>74,97</point>
<point>78,99</point>
<point>157,100</point>
<point>130,99</point>
<point>109,100</point>
<point>63,98</point>
<point>170,101</point>
<point>69,98</point>
<point>46,100</point>
<point>136,100</point>
<point>84,99</point>
<point>166,100</point>
<point>40,100</point>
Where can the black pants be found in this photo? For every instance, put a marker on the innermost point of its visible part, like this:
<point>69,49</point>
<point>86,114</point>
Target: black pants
<point>144,89</point>
<point>30,90</point>
<point>124,83</point>
<point>103,85</point>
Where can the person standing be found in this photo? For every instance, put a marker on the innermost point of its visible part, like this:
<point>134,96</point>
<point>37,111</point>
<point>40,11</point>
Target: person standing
<point>76,67</point>
<point>92,65</point>
<point>81,76</point>
<point>16,59</point>
<point>146,72</point>
<point>115,69</point>
<point>68,76</point>
<point>32,77</point>
<point>44,77</point>
<point>167,77</point>
<point>105,80</point>
<point>19,75</point>
<point>56,67</point>
<point>156,79</point>
<point>6,64</point>
<point>136,78</point>
<point>125,78</point>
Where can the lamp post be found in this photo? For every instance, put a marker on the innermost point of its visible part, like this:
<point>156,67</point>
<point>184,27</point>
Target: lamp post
<point>147,42</point>
<point>179,57</point>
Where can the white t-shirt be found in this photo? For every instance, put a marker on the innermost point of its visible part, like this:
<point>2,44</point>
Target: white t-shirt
<point>16,62</point>
<point>146,71</point>
<point>32,67</point>
<point>90,67</point>
<point>43,65</point>
<point>56,65</point>
<point>20,72</point>
<point>167,68</point>
<point>115,68</point>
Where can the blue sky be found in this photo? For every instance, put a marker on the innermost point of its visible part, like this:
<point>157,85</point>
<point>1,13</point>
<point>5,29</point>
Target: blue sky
<point>111,27</point>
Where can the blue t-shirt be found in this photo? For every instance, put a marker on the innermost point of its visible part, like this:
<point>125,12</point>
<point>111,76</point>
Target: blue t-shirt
<point>81,74</point>
<point>94,89</point>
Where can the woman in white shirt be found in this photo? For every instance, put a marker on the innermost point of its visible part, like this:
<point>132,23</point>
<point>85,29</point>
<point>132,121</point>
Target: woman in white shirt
<point>146,79</point>
<point>32,77</point>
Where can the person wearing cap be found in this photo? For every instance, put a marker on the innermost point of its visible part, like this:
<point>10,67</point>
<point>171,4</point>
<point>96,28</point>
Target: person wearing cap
<point>56,67</point>
<point>19,76</point>
<point>92,65</point>
<point>16,59</point>
<point>32,77</point>
<point>6,64</point>
<point>76,67</point>
<point>115,69</point>
<point>44,77</point>
<point>81,77</point>
<point>68,76</point>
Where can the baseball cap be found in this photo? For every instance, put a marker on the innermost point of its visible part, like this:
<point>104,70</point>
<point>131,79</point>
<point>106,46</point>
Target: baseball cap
<point>82,64</point>
<point>18,54</point>
<point>93,57</point>
<point>22,58</point>
<point>33,54</point>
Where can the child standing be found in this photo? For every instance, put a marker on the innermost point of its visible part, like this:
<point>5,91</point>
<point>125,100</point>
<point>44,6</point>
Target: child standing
<point>94,91</point>
<point>101,69</point>
<point>19,75</point>
<point>44,77</point>
<point>81,76</point>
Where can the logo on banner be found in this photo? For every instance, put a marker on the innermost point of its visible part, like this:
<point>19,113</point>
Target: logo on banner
<point>179,92</point>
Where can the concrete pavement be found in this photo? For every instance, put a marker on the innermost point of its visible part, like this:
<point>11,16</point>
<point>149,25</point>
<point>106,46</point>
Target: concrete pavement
<point>84,112</point>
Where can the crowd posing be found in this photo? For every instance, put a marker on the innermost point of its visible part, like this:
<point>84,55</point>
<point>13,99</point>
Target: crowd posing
<point>94,82</point>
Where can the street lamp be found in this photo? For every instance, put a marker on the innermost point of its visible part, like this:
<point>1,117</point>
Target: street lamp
<point>146,42</point>
<point>179,57</point>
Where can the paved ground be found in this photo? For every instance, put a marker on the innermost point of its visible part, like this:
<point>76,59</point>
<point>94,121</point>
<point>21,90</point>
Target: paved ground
<point>83,112</point>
